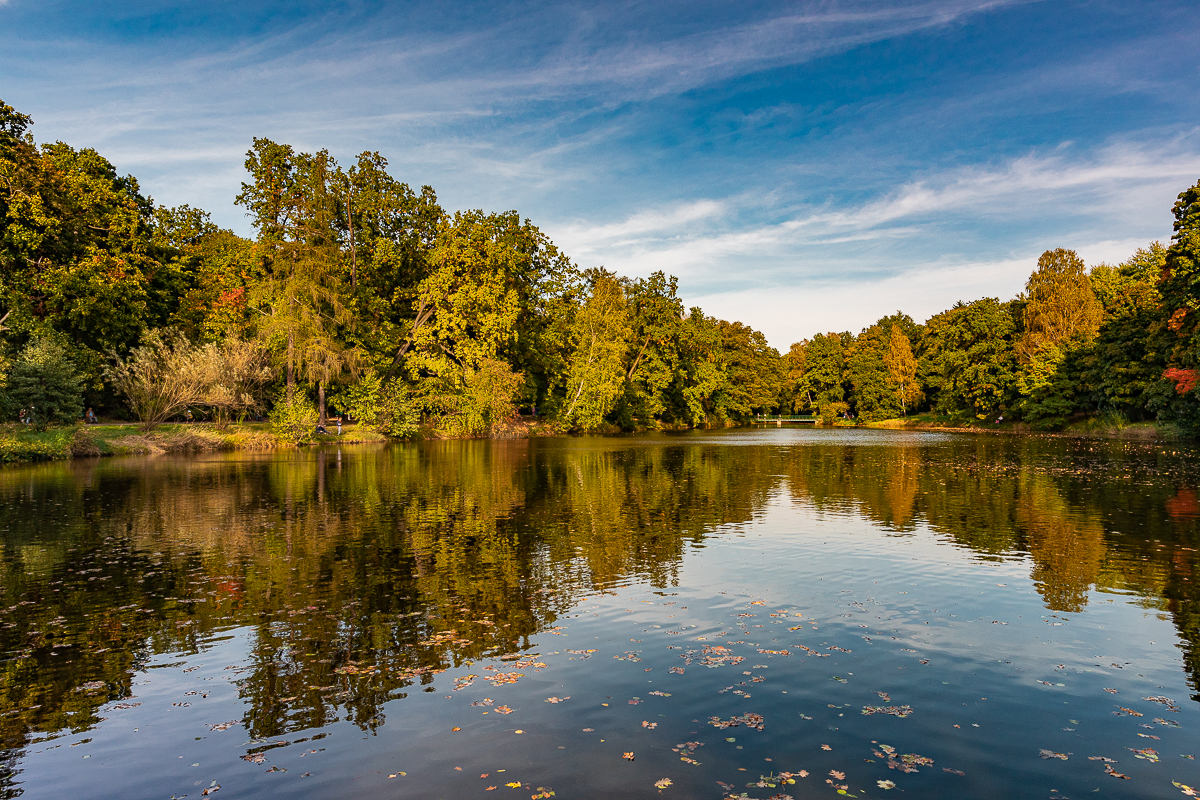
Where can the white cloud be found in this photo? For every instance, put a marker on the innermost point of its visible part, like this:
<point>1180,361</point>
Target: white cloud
<point>919,248</point>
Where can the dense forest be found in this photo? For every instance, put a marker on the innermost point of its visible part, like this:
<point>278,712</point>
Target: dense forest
<point>363,295</point>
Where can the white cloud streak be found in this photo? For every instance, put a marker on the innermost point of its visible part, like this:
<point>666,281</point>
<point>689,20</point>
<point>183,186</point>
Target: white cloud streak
<point>916,248</point>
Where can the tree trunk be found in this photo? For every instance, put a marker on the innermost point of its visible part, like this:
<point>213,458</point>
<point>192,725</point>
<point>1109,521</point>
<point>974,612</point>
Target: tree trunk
<point>353,253</point>
<point>291,366</point>
<point>321,403</point>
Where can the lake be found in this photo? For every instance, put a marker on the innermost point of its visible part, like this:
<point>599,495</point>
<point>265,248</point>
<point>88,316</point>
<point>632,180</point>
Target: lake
<point>758,613</point>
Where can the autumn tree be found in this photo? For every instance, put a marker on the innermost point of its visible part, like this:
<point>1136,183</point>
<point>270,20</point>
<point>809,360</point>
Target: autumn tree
<point>794,394</point>
<point>160,377</point>
<point>902,369</point>
<point>1062,314</point>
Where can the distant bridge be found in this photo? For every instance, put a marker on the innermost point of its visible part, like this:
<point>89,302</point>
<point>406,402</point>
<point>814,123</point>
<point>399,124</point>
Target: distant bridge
<point>780,420</point>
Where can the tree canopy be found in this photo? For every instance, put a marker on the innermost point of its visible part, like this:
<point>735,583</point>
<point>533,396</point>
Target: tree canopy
<point>362,290</point>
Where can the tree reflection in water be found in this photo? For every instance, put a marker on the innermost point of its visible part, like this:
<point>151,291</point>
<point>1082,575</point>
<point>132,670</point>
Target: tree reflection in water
<point>362,574</point>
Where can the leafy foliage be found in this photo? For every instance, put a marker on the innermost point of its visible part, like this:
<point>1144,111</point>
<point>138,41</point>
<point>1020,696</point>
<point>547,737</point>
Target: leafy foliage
<point>44,384</point>
<point>360,286</point>
<point>294,418</point>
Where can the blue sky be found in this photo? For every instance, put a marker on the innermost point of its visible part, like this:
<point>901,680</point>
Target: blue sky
<point>802,166</point>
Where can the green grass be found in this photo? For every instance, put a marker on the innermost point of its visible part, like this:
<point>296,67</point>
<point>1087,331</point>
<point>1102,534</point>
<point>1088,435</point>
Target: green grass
<point>20,443</point>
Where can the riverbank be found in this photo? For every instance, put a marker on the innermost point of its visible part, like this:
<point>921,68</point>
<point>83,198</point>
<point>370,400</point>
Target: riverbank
<point>1092,427</point>
<point>19,443</point>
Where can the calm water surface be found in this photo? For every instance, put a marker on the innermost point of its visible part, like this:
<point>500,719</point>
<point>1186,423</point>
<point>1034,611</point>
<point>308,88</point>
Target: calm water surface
<point>770,613</point>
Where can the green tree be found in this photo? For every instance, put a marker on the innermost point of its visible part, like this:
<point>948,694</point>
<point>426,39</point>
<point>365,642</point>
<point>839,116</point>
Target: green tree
<point>294,207</point>
<point>43,381</point>
<point>599,341</point>
<point>824,374</point>
<point>753,372</point>
<point>1180,289</point>
<point>656,315</point>
<point>967,357</point>
<point>1126,362</point>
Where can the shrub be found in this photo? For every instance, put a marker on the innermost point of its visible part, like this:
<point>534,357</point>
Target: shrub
<point>236,370</point>
<point>162,376</point>
<point>389,409</point>
<point>294,420</point>
<point>44,381</point>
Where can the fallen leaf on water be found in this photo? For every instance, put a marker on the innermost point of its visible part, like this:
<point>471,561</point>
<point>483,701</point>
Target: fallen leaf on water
<point>841,776</point>
<point>456,728</point>
<point>627,756</point>
<point>1108,770</point>
<point>513,785</point>
<point>518,731</point>
<point>886,784</point>
<point>646,724</point>
<point>1148,754</point>
<point>826,747</point>
<point>1183,787</point>
<point>662,783</point>
<point>1048,754</point>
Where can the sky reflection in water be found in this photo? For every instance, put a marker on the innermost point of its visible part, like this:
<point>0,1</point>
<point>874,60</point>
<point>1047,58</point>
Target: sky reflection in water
<point>308,624</point>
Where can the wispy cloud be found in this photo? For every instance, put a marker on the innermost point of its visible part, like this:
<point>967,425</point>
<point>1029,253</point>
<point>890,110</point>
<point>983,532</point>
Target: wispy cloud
<point>806,260</point>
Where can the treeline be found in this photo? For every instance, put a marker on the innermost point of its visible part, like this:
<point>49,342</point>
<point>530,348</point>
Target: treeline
<point>1116,340</point>
<point>362,294</point>
<point>358,292</point>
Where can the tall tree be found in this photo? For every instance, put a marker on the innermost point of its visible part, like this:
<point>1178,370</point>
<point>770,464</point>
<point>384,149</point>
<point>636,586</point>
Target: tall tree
<point>825,371</point>
<point>294,207</point>
<point>599,339</point>
<point>968,358</point>
<point>902,369</point>
<point>1060,304</point>
<point>1180,288</point>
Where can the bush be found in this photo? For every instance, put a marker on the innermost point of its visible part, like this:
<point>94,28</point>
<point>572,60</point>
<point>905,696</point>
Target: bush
<point>481,402</point>
<point>389,409</point>
<point>162,376</point>
<point>44,382</point>
<point>236,371</point>
<point>294,420</point>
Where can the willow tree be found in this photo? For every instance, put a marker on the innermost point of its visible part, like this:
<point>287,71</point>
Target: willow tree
<point>295,209</point>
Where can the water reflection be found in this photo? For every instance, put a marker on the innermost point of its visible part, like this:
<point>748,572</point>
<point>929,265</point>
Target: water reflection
<point>364,573</point>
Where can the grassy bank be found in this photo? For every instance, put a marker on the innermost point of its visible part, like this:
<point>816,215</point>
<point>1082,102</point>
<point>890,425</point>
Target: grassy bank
<point>1101,427</point>
<point>19,443</point>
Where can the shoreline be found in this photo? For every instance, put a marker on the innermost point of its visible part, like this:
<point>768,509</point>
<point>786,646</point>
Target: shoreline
<point>1086,429</point>
<point>19,445</point>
